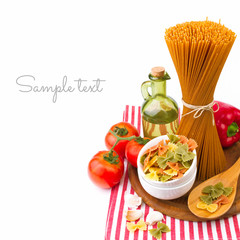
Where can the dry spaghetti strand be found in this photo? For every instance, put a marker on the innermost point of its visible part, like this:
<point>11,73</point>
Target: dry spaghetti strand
<point>199,50</point>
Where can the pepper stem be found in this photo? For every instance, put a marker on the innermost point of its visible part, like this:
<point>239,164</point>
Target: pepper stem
<point>232,129</point>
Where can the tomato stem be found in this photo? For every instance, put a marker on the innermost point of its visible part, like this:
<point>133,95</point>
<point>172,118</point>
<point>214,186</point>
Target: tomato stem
<point>119,139</point>
<point>110,158</point>
<point>120,131</point>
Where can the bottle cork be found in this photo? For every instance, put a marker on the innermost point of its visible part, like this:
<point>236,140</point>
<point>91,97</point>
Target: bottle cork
<point>158,71</point>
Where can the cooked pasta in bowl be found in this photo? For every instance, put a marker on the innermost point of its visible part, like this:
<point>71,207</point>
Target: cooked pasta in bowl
<point>167,162</point>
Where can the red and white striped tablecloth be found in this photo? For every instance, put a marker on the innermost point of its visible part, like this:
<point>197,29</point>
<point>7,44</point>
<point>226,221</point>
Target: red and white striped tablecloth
<point>224,229</point>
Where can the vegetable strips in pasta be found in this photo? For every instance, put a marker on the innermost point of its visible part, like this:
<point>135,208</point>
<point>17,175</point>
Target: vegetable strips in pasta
<point>199,50</point>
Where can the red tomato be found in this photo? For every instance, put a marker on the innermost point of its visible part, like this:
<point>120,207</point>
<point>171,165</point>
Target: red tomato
<point>133,148</point>
<point>104,170</point>
<point>122,129</point>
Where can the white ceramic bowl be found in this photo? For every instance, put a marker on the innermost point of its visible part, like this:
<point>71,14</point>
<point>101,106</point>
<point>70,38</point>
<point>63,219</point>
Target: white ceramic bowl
<point>168,193</point>
<point>171,189</point>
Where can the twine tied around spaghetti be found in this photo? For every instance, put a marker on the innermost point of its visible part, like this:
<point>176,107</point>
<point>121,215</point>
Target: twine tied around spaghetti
<point>200,109</point>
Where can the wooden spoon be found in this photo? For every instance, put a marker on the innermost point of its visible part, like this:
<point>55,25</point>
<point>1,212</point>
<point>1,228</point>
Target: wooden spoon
<point>229,178</point>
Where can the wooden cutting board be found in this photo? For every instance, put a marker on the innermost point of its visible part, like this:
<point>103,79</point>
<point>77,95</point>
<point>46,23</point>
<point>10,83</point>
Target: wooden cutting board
<point>178,208</point>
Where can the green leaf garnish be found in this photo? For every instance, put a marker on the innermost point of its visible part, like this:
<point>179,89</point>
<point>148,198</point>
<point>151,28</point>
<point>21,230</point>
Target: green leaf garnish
<point>157,232</point>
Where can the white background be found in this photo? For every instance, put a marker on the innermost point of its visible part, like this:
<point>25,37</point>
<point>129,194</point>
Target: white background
<point>45,192</point>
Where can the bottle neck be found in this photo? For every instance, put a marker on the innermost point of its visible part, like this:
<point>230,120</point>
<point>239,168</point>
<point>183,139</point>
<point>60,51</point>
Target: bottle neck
<point>158,87</point>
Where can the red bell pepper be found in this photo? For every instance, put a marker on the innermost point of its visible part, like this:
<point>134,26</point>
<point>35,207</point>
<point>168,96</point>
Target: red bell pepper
<point>227,120</point>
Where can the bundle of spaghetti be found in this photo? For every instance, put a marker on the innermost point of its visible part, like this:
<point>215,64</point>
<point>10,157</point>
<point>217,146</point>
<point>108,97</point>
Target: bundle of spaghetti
<point>199,51</point>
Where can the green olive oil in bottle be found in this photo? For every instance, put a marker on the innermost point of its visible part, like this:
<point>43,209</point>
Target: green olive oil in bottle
<point>159,112</point>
